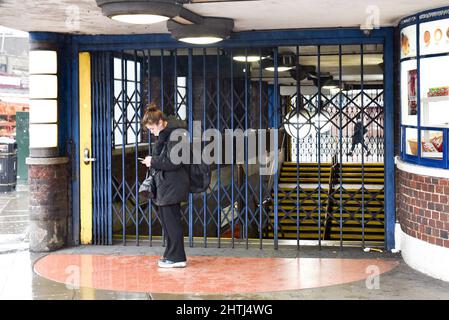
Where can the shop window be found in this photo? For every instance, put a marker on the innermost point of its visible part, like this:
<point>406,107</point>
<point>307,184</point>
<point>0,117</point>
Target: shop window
<point>432,144</point>
<point>411,138</point>
<point>409,95</point>
<point>434,92</point>
<point>433,37</point>
<point>425,87</point>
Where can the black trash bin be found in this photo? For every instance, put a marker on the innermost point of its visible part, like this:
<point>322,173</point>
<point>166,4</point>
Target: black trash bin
<point>8,166</point>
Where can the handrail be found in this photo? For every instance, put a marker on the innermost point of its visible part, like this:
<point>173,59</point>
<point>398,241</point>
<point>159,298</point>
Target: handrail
<point>330,191</point>
<point>267,198</point>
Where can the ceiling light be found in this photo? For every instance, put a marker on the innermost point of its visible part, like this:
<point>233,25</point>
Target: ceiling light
<point>141,12</point>
<point>250,54</point>
<point>280,69</point>
<point>248,58</point>
<point>210,30</point>
<point>139,18</point>
<point>201,40</point>
<point>286,61</point>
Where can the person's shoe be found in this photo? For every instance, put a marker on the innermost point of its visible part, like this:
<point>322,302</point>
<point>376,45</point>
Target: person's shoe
<point>171,264</point>
<point>161,259</point>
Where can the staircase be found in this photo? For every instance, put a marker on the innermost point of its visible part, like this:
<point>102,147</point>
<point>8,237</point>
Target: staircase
<point>317,206</point>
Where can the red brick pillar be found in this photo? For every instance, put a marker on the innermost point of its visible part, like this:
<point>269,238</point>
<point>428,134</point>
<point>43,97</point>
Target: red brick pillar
<point>48,203</point>
<point>422,203</point>
<point>423,207</point>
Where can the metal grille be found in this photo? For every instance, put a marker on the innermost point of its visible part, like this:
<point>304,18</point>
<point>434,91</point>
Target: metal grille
<point>207,85</point>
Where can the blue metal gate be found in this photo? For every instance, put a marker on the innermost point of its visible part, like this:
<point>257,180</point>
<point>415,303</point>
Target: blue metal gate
<point>316,189</point>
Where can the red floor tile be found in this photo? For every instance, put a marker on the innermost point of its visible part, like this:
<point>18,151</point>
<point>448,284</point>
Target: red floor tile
<point>207,275</point>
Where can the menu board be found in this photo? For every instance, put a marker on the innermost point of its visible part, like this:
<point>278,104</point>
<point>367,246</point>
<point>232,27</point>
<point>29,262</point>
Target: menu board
<point>434,37</point>
<point>408,42</point>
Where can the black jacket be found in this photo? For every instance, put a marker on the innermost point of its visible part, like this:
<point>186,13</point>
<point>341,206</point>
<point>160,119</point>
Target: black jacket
<point>172,181</point>
<point>359,132</point>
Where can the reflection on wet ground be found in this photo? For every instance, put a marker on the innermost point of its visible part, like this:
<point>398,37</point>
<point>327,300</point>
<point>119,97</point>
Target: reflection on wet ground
<point>13,220</point>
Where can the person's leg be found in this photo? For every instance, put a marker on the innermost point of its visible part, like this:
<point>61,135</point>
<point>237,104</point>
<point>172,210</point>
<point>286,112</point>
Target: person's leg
<point>352,148</point>
<point>173,224</point>
<point>366,148</point>
<point>162,215</point>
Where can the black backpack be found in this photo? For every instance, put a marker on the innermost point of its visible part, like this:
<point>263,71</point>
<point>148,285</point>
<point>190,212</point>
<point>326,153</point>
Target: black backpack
<point>200,176</point>
<point>199,173</point>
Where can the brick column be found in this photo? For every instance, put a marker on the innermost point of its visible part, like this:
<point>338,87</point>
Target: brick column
<point>49,203</point>
<point>423,207</point>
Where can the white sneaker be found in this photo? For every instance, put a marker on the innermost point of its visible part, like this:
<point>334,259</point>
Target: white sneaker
<point>171,264</point>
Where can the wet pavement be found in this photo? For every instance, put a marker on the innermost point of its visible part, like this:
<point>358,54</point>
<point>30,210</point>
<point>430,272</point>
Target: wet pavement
<point>14,220</point>
<point>379,275</point>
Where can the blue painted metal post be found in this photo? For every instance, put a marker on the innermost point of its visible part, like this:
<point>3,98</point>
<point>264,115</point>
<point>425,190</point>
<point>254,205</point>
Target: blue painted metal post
<point>204,143</point>
<point>94,146</point>
<point>298,108</point>
<point>190,120</point>
<point>218,157</point>
<point>261,152</point>
<point>276,110</point>
<point>390,213</point>
<point>109,106</point>
<point>319,146</point>
<point>124,139</point>
<point>150,203</point>
<point>232,153</point>
<point>340,136</point>
<point>246,147</point>
<point>75,156</point>
<point>362,106</point>
<point>136,145</point>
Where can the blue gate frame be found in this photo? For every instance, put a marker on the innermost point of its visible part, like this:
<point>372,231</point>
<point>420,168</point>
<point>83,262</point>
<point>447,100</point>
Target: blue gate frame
<point>73,44</point>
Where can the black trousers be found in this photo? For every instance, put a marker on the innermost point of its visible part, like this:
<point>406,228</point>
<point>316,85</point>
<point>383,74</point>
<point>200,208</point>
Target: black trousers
<point>356,142</point>
<point>172,224</point>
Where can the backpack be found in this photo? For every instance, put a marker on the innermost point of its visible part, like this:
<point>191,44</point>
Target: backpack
<point>199,173</point>
<point>200,176</point>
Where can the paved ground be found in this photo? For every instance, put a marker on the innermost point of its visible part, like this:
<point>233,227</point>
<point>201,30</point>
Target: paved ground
<point>19,281</point>
<point>14,220</point>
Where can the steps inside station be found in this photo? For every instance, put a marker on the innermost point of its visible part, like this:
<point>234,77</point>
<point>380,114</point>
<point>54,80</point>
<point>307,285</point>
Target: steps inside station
<point>353,209</point>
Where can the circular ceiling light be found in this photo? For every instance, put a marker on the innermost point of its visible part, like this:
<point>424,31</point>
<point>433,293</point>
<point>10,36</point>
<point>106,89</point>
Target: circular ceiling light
<point>200,40</point>
<point>280,68</point>
<point>139,18</point>
<point>251,54</point>
<point>247,58</point>
<point>307,123</point>
<point>210,30</point>
<point>140,12</point>
<point>286,62</point>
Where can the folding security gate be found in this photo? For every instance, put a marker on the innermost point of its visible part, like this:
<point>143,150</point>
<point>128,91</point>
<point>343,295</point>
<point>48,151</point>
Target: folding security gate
<point>307,107</point>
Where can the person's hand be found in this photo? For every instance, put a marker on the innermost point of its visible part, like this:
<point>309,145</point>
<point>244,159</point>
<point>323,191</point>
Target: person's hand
<point>147,161</point>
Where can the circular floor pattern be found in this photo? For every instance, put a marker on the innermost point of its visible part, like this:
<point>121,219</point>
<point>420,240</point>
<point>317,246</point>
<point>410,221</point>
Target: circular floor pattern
<point>206,274</point>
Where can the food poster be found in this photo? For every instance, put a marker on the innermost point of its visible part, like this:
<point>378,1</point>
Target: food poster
<point>408,42</point>
<point>434,37</point>
<point>412,89</point>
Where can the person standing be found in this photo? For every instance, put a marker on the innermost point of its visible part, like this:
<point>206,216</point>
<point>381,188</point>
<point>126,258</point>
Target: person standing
<point>359,137</point>
<point>172,185</point>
